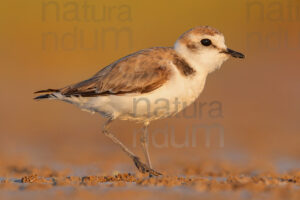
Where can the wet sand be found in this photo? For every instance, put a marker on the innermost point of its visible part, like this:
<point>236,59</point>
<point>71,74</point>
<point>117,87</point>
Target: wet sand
<point>208,180</point>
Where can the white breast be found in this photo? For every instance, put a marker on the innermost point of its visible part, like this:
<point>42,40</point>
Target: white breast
<point>168,100</point>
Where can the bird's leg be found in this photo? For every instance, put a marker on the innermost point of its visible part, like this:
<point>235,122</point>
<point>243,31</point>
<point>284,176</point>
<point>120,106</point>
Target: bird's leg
<point>144,143</point>
<point>141,166</point>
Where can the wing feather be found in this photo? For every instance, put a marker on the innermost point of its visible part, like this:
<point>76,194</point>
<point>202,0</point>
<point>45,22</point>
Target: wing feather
<point>141,72</point>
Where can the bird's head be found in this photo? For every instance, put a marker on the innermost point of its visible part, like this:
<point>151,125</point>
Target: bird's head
<point>204,47</point>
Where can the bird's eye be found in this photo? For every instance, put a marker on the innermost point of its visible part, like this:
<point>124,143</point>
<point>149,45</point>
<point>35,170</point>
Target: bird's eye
<point>206,42</point>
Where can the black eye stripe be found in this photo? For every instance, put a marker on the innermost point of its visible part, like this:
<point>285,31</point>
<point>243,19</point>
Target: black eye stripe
<point>206,42</point>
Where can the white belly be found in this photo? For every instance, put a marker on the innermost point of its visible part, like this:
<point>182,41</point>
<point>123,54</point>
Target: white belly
<point>168,100</point>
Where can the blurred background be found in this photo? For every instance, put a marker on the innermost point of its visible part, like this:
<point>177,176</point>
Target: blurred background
<point>252,104</point>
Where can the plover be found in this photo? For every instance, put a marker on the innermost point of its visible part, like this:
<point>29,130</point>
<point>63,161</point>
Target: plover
<point>158,76</point>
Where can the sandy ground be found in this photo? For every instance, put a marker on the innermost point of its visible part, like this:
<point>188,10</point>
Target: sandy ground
<point>208,180</point>
<point>75,164</point>
<point>75,161</point>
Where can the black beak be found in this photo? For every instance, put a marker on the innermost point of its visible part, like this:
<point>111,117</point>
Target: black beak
<point>234,54</point>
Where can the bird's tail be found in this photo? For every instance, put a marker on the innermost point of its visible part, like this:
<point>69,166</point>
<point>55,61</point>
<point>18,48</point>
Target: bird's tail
<point>49,94</point>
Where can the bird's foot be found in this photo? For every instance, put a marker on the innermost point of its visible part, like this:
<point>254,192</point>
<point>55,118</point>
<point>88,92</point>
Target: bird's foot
<point>142,167</point>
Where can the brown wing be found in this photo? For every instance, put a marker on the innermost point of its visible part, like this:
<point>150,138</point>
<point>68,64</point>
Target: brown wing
<point>140,72</point>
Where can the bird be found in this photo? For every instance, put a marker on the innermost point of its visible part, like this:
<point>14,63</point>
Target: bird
<point>141,86</point>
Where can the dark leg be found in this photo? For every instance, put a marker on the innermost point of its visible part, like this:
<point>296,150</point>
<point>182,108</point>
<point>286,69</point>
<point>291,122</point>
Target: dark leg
<point>145,143</point>
<point>141,166</point>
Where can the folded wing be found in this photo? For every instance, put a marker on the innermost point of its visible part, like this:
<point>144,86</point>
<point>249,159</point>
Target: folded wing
<point>140,72</point>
